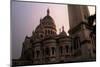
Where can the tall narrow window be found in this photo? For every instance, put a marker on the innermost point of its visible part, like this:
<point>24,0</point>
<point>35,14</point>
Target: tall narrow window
<point>61,50</point>
<point>33,54</point>
<point>66,48</point>
<point>53,50</point>
<point>47,51</point>
<point>78,39</point>
<point>76,43</point>
<point>41,36</point>
<point>48,31</point>
<point>71,48</point>
<point>37,53</point>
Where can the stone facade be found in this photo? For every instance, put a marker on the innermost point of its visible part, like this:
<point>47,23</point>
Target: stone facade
<point>46,46</point>
<point>81,27</point>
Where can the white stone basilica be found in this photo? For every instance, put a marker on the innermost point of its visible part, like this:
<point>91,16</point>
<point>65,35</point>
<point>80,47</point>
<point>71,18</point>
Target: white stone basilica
<point>46,46</point>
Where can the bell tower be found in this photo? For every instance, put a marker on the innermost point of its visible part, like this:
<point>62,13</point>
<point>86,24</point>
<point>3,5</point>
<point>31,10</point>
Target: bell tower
<point>79,28</point>
<point>77,14</point>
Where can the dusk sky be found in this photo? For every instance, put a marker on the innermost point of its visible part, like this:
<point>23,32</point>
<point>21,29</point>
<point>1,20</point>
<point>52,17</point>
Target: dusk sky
<point>25,16</point>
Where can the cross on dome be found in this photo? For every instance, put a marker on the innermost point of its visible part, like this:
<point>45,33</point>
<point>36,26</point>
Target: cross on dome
<point>48,11</point>
<point>62,28</point>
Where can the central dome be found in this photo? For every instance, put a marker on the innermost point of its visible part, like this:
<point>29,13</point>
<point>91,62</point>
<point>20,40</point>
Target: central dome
<point>48,21</point>
<point>46,27</point>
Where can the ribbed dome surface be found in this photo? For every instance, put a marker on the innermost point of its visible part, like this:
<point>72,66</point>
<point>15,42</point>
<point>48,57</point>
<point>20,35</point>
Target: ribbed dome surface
<point>46,27</point>
<point>48,21</point>
<point>63,33</point>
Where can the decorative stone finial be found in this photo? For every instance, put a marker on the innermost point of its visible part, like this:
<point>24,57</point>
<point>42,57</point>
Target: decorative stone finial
<point>48,11</point>
<point>62,28</point>
<point>40,19</point>
<point>59,30</point>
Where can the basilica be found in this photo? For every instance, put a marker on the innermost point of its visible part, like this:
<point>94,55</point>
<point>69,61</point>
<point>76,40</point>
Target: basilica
<point>45,46</point>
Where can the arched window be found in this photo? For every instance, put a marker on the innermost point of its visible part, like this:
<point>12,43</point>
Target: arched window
<point>33,54</point>
<point>61,49</point>
<point>76,42</point>
<point>66,49</point>
<point>47,51</point>
<point>71,48</point>
<point>41,36</point>
<point>45,32</point>
<point>53,50</point>
<point>37,53</point>
<point>48,31</point>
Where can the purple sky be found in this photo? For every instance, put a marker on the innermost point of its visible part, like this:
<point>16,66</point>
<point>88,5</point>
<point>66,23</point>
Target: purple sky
<point>25,16</point>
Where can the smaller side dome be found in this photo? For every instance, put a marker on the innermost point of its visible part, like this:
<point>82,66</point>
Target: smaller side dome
<point>63,33</point>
